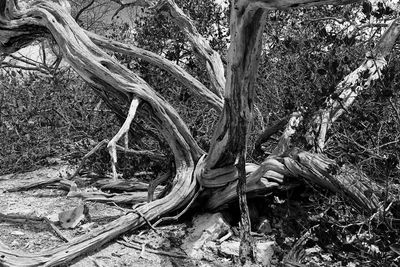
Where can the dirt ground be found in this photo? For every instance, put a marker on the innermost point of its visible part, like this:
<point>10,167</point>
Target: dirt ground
<point>33,237</point>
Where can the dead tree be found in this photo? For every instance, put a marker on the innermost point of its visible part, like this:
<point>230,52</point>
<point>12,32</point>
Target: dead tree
<point>223,169</point>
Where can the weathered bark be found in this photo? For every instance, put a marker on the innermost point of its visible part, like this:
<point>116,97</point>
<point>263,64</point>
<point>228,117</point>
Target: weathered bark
<point>351,86</point>
<point>229,141</point>
<point>98,237</point>
<point>352,184</point>
<point>100,70</point>
<point>229,138</point>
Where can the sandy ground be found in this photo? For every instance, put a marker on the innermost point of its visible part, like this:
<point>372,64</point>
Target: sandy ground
<point>33,237</point>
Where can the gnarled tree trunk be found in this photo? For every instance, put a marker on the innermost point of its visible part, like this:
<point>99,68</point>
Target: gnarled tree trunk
<point>223,168</point>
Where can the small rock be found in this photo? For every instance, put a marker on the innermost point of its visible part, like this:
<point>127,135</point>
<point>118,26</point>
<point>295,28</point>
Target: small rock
<point>87,227</point>
<point>15,243</point>
<point>53,218</point>
<point>265,251</point>
<point>206,227</point>
<point>18,233</point>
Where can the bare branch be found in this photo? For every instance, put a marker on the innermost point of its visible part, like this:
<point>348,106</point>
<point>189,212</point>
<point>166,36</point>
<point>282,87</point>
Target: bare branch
<point>179,73</point>
<point>200,45</point>
<point>112,145</point>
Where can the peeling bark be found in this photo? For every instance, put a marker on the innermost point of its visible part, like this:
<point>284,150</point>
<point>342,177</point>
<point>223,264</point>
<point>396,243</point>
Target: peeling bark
<point>229,138</point>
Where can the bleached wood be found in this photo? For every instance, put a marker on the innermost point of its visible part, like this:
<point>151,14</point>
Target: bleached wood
<point>112,145</point>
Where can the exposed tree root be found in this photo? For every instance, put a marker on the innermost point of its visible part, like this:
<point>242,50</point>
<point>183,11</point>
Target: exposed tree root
<point>135,191</point>
<point>360,191</point>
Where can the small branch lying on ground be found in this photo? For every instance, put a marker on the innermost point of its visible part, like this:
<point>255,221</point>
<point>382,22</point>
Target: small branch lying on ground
<point>24,219</point>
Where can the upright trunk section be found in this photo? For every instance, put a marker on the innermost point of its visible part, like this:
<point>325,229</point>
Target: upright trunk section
<point>229,141</point>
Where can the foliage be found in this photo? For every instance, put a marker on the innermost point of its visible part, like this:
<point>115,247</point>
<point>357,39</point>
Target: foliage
<point>47,117</point>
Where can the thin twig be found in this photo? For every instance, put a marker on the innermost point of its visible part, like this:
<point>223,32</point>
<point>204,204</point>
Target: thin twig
<point>138,213</point>
<point>91,152</point>
<point>56,230</point>
<point>144,218</point>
